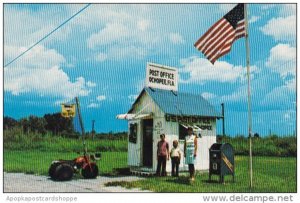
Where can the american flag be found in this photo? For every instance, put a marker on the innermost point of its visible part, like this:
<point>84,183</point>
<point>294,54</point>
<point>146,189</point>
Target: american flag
<point>217,41</point>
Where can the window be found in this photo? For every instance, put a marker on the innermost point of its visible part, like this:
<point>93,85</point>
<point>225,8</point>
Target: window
<point>133,132</point>
<point>183,130</point>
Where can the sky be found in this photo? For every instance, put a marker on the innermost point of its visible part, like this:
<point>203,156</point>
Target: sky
<point>101,56</point>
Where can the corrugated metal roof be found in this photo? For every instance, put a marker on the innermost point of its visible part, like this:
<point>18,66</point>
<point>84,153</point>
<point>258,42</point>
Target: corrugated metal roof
<point>177,103</point>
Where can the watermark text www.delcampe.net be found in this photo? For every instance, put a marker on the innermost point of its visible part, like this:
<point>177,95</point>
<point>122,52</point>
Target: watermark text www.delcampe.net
<point>248,198</point>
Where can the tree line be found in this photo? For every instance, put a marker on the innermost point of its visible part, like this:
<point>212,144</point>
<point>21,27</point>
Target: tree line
<point>54,123</point>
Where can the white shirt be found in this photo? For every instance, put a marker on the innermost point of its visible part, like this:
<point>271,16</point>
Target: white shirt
<point>175,152</point>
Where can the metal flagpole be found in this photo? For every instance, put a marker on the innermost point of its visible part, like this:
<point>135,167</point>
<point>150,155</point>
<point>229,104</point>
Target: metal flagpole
<point>249,96</point>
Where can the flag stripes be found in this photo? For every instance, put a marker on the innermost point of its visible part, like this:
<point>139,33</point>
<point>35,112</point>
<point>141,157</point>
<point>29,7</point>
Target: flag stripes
<point>217,41</point>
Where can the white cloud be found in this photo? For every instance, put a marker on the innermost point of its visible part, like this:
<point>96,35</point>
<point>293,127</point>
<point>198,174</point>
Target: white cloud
<point>287,9</point>
<point>39,57</point>
<point>283,9</point>
<point>119,53</point>
<point>101,57</point>
<point>253,19</point>
<point>143,25</point>
<point>45,82</point>
<point>280,97</point>
<point>282,59</point>
<point>176,38</point>
<point>23,27</point>
<point>112,33</point>
<point>91,84</point>
<point>225,8</point>
<point>208,95</point>
<point>291,84</point>
<point>200,70</point>
<point>132,98</point>
<point>93,105</point>
<point>124,35</point>
<point>101,98</point>
<point>38,71</point>
<point>281,28</point>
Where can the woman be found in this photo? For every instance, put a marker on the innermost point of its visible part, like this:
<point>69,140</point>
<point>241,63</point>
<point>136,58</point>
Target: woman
<point>190,152</point>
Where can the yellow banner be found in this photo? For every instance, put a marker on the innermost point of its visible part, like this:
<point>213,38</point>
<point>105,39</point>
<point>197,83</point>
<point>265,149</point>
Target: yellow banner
<point>68,110</point>
<point>227,162</point>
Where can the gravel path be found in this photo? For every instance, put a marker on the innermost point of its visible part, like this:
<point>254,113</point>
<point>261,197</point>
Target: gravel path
<point>20,182</point>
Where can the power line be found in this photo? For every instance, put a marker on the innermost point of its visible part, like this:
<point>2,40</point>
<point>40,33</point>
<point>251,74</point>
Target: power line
<point>47,35</point>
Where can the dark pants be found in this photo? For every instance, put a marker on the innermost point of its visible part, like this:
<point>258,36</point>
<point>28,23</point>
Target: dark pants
<point>175,165</point>
<point>161,166</point>
<point>192,170</point>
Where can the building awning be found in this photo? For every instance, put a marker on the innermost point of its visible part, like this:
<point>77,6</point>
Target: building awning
<point>195,127</point>
<point>197,130</point>
<point>132,116</point>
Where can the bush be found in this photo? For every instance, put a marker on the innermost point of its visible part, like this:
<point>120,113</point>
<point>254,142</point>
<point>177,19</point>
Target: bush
<point>264,146</point>
<point>15,139</point>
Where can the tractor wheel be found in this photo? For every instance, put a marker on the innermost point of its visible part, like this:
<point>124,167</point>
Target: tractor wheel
<point>52,169</point>
<point>90,171</point>
<point>63,172</point>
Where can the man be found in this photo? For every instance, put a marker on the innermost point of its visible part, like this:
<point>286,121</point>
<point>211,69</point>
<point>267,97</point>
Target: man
<point>162,156</point>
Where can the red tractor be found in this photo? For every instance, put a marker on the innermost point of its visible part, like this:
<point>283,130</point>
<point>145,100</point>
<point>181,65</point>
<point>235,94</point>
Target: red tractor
<point>63,170</point>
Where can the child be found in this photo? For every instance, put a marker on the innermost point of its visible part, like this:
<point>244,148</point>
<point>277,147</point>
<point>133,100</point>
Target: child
<point>175,158</point>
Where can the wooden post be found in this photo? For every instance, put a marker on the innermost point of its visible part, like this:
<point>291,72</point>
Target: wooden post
<point>81,125</point>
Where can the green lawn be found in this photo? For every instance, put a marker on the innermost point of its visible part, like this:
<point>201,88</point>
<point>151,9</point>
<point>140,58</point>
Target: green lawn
<point>33,153</point>
<point>271,174</point>
<point>38,162</point>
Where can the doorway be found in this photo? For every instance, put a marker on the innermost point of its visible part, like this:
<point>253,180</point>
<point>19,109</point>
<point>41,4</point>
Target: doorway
<point>147,142</point>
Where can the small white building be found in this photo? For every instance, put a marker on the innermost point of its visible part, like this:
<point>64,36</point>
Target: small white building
<point>157,111</point>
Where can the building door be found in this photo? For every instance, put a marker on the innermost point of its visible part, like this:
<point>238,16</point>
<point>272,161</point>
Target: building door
<point>147,142</point>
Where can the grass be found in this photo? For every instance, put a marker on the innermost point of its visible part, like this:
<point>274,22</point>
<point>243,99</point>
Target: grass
<point>15,139</point>
<point>38,162</point>
<point>61,144</point>
<point>265,146</point>
<point>33,154</point>
<point>271,174</point>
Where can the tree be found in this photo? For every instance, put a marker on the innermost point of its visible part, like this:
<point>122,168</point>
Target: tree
<point>9,122</point>
<point>58,124</point>
<point>25,125</point>
<point>37,124</point>
<point>256,135</point>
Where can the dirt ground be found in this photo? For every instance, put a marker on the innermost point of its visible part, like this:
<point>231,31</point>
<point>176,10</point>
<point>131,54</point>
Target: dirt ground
<point>20,182</point>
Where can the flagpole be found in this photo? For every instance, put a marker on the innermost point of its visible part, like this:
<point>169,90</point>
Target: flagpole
<point>249,96</point>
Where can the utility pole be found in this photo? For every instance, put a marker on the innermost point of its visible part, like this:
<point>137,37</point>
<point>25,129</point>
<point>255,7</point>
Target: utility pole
<point>93,129</point>
<point>223,120</point>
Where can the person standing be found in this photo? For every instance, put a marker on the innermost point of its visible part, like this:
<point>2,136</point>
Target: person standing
<point>175,158</point>
<point>162,156</point>
<point>190,152</point>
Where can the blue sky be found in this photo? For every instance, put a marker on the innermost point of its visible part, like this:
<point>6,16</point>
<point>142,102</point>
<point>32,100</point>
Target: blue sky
<point>101,57</point>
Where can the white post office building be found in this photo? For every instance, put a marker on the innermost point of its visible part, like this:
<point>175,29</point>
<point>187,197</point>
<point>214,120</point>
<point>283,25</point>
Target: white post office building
<point>160,110</point>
